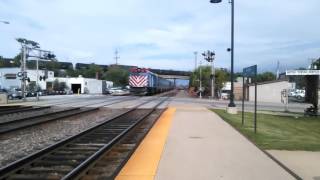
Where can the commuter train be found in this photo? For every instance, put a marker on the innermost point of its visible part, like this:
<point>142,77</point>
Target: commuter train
<point>144,82</point>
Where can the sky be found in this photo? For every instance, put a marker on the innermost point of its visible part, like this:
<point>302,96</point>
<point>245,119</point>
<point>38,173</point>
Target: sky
<point>165,34</point>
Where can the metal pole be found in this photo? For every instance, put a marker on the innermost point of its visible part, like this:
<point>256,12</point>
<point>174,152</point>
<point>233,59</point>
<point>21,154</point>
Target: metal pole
<point>287,99</point>
<point>255,105</point>
<point>200,69</point>
<point>231,103</point>
<point>212,80</point>
<point>243,89</point>
<point>21,66</point>
<point>23,90</point>
<point>37,84</point>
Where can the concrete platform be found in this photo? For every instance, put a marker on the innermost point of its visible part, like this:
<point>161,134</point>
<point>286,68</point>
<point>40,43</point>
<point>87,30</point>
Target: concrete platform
<point>199,145</point>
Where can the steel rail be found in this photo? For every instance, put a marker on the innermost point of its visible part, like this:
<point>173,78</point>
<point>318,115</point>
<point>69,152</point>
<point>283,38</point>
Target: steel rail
<point>18,108</point>
<point>5,107</point>
<point>113,101</point>
<point>2,113</point>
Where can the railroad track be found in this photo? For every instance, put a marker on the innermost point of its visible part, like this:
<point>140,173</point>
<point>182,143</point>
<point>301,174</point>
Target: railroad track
<point>112,101</point>
<point>16,124</point>
<point>73,157</point>
<point>21,109</point>
<point>9,107</point>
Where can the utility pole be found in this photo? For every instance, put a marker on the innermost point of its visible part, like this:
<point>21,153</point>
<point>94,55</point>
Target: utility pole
<point>116,57</point>
<point>200,79</point>
<point>212,79</point>
<point>195,59</point>
<point>37,82</point>
<point>28,46</point>
<point>278,70</point>
<point>23,70</point>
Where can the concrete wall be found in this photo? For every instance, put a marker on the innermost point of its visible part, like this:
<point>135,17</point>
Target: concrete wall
<point>269,92</point>
<point>93,86</point>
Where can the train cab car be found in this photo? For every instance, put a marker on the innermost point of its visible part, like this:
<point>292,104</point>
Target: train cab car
<point>142,81</point>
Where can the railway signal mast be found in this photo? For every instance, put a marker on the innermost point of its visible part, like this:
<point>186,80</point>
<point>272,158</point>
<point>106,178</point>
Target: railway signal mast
<point>28,46</point>
<point>209,56</point>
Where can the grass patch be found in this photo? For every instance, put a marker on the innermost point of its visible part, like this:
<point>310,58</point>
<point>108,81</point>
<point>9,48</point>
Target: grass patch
<point>278,132</point>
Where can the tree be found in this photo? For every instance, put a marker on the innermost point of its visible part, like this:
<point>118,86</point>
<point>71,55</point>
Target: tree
<point>316,64</point>
<point>117,75</point>
<point>56,86</point>
<point>63,86</point>
<point>266,76</point>
<point>31,87</point>
<point>221,76</point>
<point>92,70</point>
<point>17,60</point>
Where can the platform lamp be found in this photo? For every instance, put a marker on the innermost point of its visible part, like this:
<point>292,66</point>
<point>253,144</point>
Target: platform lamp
<point>231,103</point>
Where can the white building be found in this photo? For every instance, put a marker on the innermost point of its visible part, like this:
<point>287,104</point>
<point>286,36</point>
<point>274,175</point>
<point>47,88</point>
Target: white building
<point>270,91</point>
<point>9,78</point>
<point>83,85</point>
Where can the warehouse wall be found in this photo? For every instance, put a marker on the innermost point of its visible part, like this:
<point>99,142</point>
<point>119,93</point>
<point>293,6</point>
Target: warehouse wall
<point>269,91</point>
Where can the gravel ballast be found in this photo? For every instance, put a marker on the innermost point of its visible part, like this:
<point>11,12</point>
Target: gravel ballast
<point>16,145</point>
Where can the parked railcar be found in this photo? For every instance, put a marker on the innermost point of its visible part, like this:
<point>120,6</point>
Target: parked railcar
<point>144,82</point>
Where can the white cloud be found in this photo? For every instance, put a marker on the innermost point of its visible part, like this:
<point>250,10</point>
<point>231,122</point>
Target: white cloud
<point>87,31</point>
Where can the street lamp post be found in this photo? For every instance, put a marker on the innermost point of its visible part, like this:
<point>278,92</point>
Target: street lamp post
<point>209,56</point>
<point>200,79</point>
<point>231,103</point>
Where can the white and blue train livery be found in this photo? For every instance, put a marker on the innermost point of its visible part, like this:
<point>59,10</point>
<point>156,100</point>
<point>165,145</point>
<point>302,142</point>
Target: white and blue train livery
<point>144,82</point>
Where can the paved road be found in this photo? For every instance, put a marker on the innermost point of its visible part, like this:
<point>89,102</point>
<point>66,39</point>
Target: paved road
<point>249,106</point>
<point>181,98</point>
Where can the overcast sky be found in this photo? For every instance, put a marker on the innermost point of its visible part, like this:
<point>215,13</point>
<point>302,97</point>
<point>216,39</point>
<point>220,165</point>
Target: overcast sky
<point>165,33</point>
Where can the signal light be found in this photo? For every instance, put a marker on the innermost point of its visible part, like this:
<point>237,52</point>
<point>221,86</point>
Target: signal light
<point>49,56</point>
<point>42,78</point>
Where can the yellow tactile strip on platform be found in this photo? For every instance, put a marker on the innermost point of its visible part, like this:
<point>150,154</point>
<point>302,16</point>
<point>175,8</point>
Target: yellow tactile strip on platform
<point>144,162</point>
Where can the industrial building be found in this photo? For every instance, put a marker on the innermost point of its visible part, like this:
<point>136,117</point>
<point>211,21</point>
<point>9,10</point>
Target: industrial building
<point>270,91</point>
<point>81,85</point>
<point>9,78</point>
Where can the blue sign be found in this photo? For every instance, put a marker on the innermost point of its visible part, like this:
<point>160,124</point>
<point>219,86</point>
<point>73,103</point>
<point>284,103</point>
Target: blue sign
<point>250,71</point>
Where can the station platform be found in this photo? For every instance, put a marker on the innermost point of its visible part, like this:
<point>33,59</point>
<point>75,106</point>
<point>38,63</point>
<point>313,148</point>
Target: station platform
<point>190,142</point>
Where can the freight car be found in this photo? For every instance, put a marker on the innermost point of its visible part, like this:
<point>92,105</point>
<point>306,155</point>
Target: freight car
<point>144,82</point>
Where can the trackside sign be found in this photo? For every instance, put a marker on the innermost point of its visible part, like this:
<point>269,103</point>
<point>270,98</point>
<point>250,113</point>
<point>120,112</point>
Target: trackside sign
<point>302,72</point>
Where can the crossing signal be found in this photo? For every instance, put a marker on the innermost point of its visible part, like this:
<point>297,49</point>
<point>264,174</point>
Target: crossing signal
<point>42,78</point>
<point>49,56</point>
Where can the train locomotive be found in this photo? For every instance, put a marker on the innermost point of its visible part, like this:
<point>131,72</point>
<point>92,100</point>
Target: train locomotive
<point>144,82</point>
